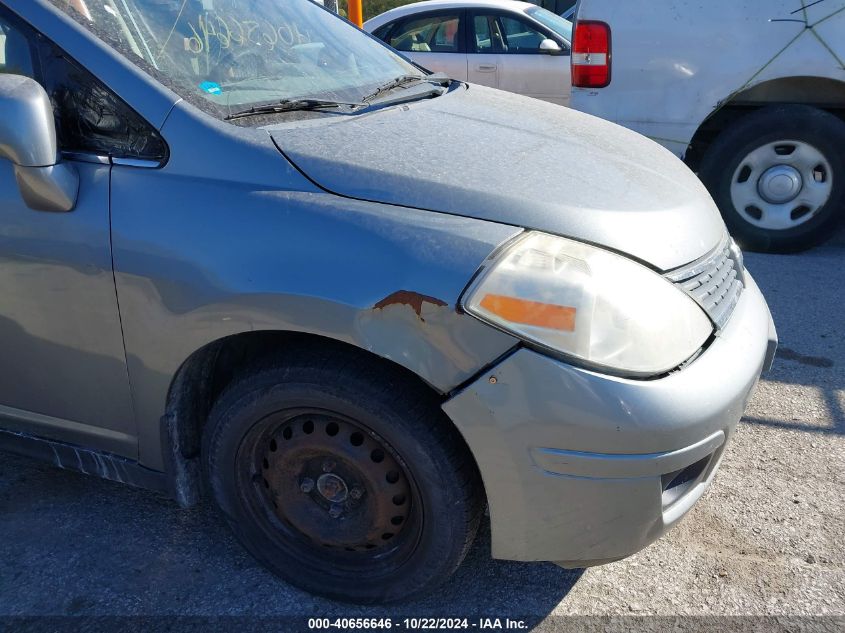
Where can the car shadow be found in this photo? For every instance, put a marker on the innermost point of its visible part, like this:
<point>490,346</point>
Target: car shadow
<point>71,544</point>
<point>804,293</point>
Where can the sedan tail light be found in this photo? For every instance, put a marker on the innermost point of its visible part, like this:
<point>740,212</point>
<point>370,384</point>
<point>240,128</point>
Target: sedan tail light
<point>591,54</point>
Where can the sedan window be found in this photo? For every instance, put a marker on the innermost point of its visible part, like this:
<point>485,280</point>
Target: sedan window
<point>488,35</point>
<point>437,34</point>
<point>519,36</point>
<point>496,33</point>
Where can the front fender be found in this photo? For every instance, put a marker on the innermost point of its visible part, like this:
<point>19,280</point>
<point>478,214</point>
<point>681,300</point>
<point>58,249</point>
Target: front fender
<point>197,261</point>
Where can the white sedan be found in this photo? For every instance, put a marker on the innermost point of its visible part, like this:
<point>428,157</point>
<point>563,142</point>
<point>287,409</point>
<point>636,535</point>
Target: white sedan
<point>514,46</point>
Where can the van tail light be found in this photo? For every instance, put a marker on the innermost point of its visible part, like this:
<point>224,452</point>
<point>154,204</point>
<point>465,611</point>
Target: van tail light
<point>591,54</point>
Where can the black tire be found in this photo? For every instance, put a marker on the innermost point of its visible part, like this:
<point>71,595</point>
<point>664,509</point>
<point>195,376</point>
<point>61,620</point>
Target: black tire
<point>723,161</point>
<point>377,412</point>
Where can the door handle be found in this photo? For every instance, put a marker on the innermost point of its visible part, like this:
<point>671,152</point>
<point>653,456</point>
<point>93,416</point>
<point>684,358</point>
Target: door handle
<point>486,68</point>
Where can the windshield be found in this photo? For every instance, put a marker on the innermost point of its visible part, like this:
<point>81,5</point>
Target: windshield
<point>556,23</point>
<point>227,55</point>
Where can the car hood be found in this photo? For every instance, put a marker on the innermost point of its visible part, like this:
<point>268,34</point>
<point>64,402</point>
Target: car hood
<point>496,156</point>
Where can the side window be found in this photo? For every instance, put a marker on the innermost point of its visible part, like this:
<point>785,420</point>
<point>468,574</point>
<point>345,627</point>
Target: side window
<point>428,34</point>
<point>519,36</point>
<point>90,118</point>
<point>483,39</point>
<point>16,56</point>
<point>381,32</point>
<point>488,34</point>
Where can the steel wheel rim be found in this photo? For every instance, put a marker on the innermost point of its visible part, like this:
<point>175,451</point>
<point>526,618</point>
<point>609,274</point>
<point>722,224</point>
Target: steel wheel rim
<point>293,494</point>
<point>781,185</point>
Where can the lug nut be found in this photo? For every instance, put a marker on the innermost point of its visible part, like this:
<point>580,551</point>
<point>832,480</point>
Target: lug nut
<point>356,492</point>
<point>328,466</point>
<point>335,511</point>
<point>307,485</point>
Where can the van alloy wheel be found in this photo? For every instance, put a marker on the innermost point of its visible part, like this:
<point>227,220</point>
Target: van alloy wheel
<point>782,184</point>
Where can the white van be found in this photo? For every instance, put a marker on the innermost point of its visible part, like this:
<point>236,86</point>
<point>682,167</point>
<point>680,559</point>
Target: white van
<point>750,93</point>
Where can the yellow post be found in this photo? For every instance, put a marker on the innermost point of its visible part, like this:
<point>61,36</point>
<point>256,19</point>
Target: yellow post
<point>355,13</point>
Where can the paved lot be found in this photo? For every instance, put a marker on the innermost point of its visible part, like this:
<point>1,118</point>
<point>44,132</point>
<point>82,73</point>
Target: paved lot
<point>769,538</point>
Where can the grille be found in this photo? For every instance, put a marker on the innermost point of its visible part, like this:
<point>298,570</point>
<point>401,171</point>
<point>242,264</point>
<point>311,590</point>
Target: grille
<point>714,282</point>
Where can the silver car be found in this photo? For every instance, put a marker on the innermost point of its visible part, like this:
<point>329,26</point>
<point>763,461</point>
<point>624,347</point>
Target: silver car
<point>248,250</point>
<point>505,44</point>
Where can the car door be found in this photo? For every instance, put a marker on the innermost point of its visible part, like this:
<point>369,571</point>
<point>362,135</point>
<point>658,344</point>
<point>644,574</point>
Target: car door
<point>485,46</point>
<point>63,368</point>
<point>434,40</point>
<point>511,43</point>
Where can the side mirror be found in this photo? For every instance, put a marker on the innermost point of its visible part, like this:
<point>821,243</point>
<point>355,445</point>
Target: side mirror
<point>28,140</point>
<point>550,47</point>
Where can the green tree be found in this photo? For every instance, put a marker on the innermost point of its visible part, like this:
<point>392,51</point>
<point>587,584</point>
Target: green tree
<point>372,8</point>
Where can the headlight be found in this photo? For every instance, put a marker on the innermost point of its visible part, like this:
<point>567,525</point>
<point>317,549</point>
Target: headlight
<point>590,304</point>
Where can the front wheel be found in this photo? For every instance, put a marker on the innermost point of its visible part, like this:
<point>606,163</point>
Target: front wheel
<point>778,177</point>
<point>347,483</point>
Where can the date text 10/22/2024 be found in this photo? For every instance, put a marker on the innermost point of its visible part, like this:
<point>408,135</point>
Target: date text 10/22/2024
<point>418,624</point>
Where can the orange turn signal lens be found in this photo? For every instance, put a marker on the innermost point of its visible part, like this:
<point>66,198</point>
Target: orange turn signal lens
<point>546,315</point>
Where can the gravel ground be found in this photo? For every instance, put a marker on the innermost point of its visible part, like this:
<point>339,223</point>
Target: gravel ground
<point>768,539</point>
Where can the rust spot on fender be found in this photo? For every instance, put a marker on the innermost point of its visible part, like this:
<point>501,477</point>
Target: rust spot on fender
<point>409,298</point>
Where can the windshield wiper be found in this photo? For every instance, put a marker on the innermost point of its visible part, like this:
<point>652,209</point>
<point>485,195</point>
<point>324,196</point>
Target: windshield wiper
<point>291,105</point>
<point>437,78</point>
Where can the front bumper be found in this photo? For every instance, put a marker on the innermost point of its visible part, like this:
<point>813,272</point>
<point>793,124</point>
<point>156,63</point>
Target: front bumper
<point>582,468</point>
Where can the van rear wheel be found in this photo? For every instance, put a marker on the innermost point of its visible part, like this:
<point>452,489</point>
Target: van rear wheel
<point>343,479</point>
<point>778,177</point>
